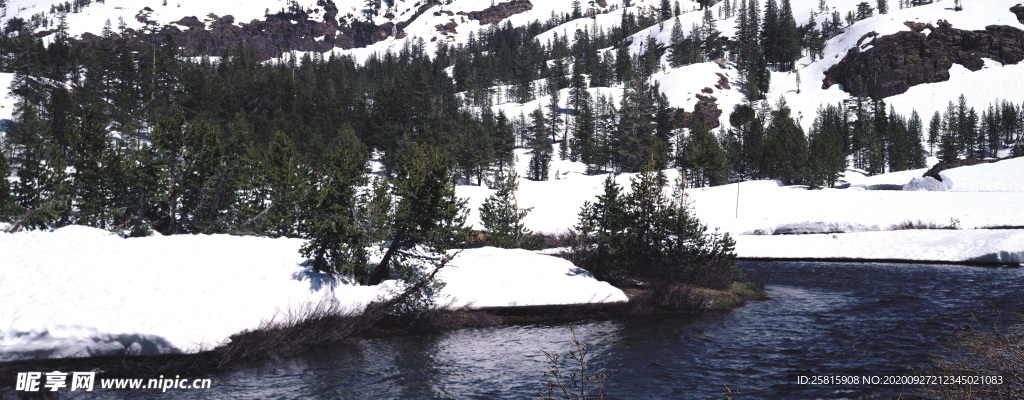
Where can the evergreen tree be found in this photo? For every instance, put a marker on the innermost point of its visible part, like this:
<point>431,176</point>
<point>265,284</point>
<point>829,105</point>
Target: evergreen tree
<point>284,181</point>
<point>206,189</point>
<point>6,198</point>
<point>650,236</point>
<point>701,156</point>
<point>666,10</point>
<point>91,168</point>
<point>787,147</point>
<point>827,160</point>
<point>505,141</point>
<point>786,41</point>
<point>770,31</point>
<point>864,11</point>
<point>554,127</point>
<point>877,143</point>
<point>635,143</point>
<point>934,127</point>
<point>709,33</point>
<point>427,218</point>
<point>540,148</point>
<point>501,215</point>
<point>337,244</point>
<point>750,131</point>
<point>949,146</point>
<point>678,54</point>
<point>883,7</point>
<point>915,135</point>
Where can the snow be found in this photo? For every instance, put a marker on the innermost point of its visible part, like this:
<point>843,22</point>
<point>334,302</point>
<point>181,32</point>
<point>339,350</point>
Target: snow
<point>765,205</point>
<point>926,184</point>
<point>503,278</point>
<point>82,291</point>
<point>981,245</point>
<point>681,86</point>
<point>1000,176</point>
<point>94,16</point>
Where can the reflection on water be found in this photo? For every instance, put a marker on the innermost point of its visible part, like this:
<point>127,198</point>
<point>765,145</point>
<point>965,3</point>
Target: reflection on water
<point>823,319</point>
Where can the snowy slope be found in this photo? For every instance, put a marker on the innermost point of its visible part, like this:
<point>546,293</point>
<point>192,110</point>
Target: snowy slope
<point>82,291</point>
<point>1001,176</point>
<point>94,16</point>
<point>763,206</point>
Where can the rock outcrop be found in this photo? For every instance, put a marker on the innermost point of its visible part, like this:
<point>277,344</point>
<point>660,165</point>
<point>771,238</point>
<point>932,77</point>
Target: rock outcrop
<point>891,64</point>
<point>707,106</point>
<point>499,12</point>
<point>1018,10</point>
<point>277,34</point>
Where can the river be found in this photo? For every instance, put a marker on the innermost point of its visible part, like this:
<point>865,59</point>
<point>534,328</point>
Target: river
<point>822,319</point>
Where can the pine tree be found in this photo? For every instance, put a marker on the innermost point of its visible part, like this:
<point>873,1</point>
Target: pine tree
<point>91,169</point>
<point>600,227</point>
<point>650,236</point>
<point>864,11</point>
<point>206,189</point>
<point>505,141</point>
<point>934,127</point>
<point>883,7</point>
<point>710,35</point>
<point>169,144</point>
<point>701,156</point>
<point>677,44</point>
<point>6,198</point>
<point>787,147</point>
<point>770,31</point>
<point>666,10</point>
<point>427,218</point>
<point>336,243</point>
<point>786,41</point>
<point>540,147</point>
<point>949,144</point>
<point>827,160</point>
<point>554,119</point>
<point>634,142</point>
<point>501,216</point>
<point>284,180</point>
<point>915,127</point>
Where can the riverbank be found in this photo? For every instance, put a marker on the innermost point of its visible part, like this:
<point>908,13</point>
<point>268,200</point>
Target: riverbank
<point>78,291</point>
<point>324,326</point>
<point>995,247</point>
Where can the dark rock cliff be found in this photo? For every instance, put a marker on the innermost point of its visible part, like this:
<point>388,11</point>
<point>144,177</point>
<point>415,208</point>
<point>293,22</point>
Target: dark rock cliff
<point>499,12</point>
<point>281,33</point>
<point>1018,10</point>
<point>894,63</point>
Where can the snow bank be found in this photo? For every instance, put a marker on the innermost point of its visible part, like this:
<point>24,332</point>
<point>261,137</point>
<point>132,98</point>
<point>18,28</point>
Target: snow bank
<point>501,278</point>
<point>1002,246</point>
<point>80,291</point>
<point>1000,176</point>
<point>925,184</point>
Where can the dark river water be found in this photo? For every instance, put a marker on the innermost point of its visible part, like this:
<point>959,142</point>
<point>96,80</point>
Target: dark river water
<point>822,319</point>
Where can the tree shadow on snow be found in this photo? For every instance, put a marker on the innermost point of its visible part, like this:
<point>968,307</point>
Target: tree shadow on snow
<point>317,280</point>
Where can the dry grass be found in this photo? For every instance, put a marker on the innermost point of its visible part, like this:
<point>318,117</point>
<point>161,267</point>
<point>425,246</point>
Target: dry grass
<point>982,350</point>
<point>573,381</point>
<point>919,225</point>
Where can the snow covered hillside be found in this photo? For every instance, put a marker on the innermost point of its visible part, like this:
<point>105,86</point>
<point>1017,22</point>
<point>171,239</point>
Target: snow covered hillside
<point>979,197</point>
<point>83,291</point>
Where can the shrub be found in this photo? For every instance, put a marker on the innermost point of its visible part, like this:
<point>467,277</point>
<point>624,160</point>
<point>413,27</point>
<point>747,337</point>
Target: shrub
<point>501,215</point>
<point>648,235</point>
